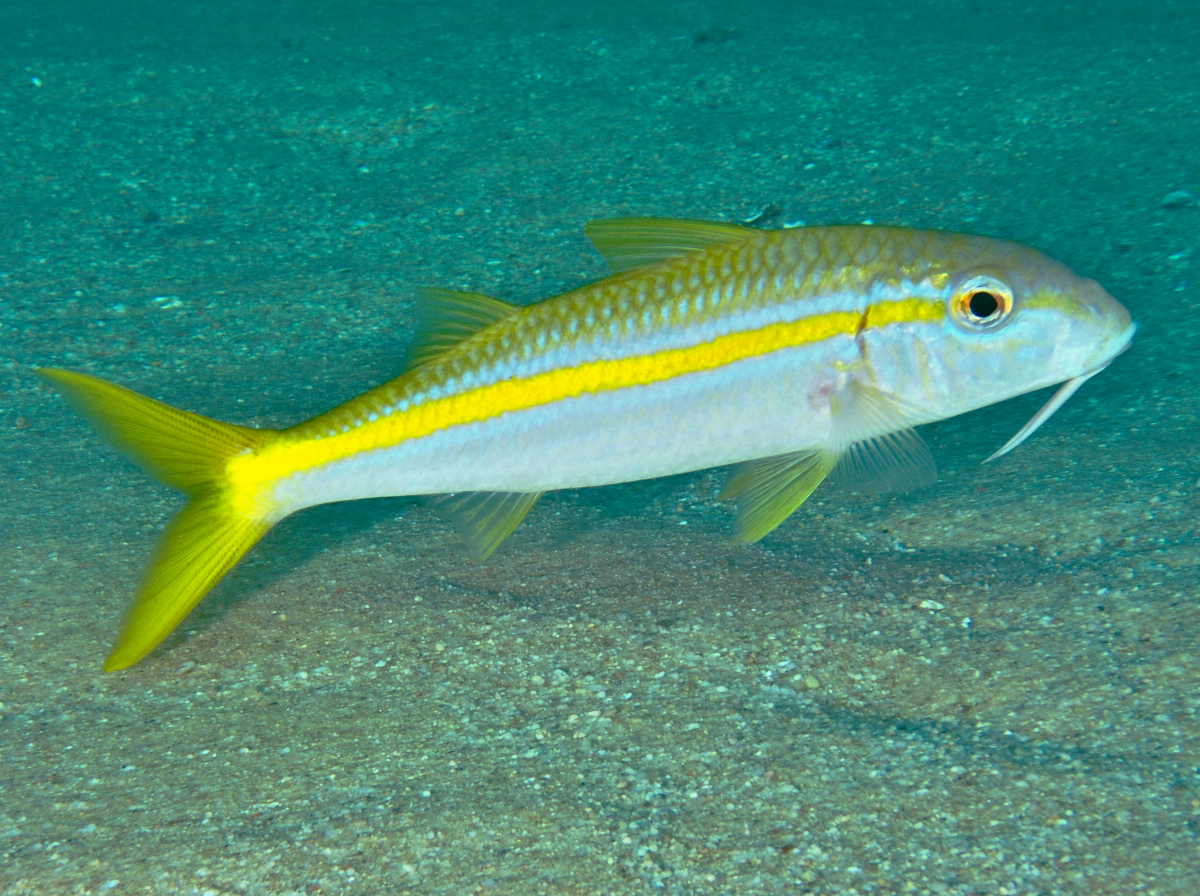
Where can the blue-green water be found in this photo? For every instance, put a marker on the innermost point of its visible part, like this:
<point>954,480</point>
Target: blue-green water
<point>988,687</point>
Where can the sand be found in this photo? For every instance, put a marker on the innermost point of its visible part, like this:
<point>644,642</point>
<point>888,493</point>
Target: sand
<point>985,687</point>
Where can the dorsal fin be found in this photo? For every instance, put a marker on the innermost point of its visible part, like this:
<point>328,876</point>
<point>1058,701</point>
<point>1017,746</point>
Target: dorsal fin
<point>629,243</point>
<point>445,318</point>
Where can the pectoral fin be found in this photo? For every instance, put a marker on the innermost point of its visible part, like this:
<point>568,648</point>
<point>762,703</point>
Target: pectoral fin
<point>872,444</point>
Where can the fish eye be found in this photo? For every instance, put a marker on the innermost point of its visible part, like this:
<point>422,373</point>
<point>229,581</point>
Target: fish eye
<point>982,302</point>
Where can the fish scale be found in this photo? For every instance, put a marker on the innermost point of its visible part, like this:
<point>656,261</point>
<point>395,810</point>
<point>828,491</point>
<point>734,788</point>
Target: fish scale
<point>796,354</point>
<point>631,312</point>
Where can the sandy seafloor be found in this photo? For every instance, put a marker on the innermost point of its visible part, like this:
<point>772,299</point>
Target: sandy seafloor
<point>985,687</point>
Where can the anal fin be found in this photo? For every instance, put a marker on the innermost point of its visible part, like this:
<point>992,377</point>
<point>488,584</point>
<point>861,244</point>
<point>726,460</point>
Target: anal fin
<point>484,519</point>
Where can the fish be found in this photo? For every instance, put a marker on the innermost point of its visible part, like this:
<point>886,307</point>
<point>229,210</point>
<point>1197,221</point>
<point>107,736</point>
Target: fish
<point>794,355</point>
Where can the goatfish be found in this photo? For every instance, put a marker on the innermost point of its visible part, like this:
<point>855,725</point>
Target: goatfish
<point>796,354</point>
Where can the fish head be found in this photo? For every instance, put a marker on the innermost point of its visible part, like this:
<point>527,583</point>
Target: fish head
<point>1014,321</point>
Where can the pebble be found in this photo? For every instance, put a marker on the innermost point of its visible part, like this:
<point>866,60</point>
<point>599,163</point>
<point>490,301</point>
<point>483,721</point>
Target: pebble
<point>1178,199</point>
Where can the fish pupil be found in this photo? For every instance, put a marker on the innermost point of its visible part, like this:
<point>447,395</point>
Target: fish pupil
<point>983,304</point>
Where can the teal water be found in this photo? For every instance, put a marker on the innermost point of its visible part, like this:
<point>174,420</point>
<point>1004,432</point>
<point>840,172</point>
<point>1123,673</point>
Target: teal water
<point>987,687</point>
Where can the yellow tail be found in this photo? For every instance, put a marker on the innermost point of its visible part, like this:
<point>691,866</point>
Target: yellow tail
<point>189,453</point>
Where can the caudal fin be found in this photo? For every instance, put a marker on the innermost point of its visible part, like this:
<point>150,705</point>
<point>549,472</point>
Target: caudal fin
<point>187,452</point>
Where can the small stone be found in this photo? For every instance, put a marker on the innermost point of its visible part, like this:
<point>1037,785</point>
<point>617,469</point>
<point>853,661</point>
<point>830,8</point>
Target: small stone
<point>762,214</point>
<point>811,682</point>
<point>1178,199</point>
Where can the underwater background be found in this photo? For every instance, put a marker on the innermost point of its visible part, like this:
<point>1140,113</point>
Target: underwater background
<point>985,687</point>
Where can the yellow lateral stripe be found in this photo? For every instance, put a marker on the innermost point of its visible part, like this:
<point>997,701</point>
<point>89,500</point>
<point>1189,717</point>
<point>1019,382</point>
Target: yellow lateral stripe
<point>884,314</point>
<point>492,400</point>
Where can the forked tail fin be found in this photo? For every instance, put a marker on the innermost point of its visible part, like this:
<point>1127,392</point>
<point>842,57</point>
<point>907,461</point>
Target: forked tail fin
<point>187,452</point>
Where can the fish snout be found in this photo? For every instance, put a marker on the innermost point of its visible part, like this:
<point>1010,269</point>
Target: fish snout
<point>1111,322</point>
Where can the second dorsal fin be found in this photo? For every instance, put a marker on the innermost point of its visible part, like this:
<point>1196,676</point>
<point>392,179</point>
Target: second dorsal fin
<point>629,243</point>
<point>446,317</point>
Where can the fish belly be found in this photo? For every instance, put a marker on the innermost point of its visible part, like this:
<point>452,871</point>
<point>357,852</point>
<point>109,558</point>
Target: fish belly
<point>753,408</point>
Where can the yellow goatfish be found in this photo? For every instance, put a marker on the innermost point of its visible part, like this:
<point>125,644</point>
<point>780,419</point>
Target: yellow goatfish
<point>794,353</point>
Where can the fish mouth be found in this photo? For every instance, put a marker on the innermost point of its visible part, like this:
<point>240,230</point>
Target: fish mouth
<point>1116,345</point>
<point>1113,347</point>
